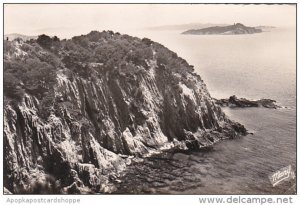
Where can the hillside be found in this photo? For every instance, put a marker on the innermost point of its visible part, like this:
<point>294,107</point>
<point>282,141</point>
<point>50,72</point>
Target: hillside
<point>77,111</point>
<point>14,36</point>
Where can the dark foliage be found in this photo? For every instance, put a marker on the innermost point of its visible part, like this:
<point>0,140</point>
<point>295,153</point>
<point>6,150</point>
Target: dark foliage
<point>44,41</point>
<point>31,66</point>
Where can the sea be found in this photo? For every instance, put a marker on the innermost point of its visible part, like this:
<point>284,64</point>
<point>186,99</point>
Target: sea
<point>251,66</point>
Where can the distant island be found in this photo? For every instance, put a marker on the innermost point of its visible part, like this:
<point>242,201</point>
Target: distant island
<point>234,29</point>
<point>13,36</point>
<point>183,27</point>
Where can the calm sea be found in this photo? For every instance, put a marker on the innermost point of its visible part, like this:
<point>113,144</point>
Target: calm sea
<point>252,66</point>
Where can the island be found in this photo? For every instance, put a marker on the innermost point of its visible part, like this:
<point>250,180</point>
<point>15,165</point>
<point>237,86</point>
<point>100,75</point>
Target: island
<point>234,101</point>
<point>235,29</point>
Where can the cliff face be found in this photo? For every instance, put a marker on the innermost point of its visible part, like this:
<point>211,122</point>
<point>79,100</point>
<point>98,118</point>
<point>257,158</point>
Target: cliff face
<point>76,137</point>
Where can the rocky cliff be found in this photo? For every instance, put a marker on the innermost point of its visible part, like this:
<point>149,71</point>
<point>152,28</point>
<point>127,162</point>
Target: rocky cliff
<point>76,111</point>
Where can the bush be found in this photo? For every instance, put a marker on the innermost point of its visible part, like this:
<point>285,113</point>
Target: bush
<point>12,87</point>
<point>44,41</point>
<point>8,48</point>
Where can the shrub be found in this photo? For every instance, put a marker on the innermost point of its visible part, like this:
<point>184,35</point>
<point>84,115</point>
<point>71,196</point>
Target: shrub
<point>44,41</point>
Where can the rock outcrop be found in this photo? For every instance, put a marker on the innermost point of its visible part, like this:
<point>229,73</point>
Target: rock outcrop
<point>75,136</point>
<point>233,101</point>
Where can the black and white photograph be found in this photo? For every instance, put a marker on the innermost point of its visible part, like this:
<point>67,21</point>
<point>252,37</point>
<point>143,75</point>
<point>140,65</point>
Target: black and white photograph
<point>149,99</point>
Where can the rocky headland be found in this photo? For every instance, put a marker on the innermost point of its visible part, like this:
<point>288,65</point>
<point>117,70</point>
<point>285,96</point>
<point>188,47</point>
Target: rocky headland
<point>77,111</point>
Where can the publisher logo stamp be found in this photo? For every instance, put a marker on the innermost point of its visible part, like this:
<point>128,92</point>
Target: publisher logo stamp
<point>284,174</point>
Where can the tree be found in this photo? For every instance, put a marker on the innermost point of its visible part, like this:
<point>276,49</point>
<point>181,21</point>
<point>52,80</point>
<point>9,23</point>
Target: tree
<point>44,41</point>
<point>147,41</point>
<point>55,39</point>
<point>38,77</point>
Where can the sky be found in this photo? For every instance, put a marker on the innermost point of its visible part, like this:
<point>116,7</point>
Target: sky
<point>69,20</point>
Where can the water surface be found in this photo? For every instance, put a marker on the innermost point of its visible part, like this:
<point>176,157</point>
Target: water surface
<point>253,66</point>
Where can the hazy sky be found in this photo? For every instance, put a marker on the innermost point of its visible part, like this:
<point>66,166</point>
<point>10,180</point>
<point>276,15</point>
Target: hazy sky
<point>68,20</point>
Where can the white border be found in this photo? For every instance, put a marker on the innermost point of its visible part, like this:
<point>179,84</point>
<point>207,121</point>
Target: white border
<point>131,199</point>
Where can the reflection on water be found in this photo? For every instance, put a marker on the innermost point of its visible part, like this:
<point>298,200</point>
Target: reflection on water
<point>252,66</point>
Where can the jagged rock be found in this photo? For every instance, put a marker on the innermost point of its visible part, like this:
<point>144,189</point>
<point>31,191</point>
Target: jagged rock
<point>6,191</point>
<point>76,129</point>
<point>233,101</point>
